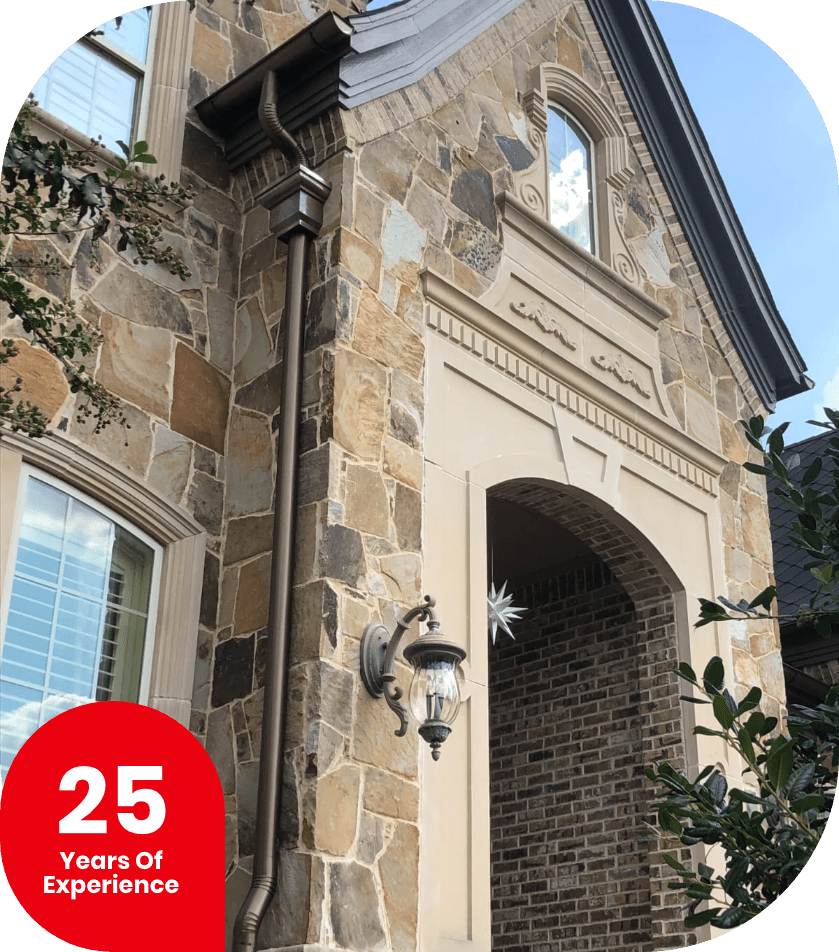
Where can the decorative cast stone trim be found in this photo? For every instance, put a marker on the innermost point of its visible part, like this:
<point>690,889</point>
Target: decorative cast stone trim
<point>506,349</point>
<point>538,312</point>
<point>555,84</point>
<point>164,130</point>
<point>617,365</point>
<point>183,539</point>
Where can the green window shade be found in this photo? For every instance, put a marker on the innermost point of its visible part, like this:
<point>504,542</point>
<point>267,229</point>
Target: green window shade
<point>570,179</point>
<point>78,614</point>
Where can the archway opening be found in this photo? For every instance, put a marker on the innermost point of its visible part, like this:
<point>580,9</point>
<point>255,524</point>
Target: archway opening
<point>580,699</point>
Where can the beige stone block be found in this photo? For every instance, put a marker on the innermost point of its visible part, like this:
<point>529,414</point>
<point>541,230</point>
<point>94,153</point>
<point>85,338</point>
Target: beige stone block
<point>380,334</point>
<point>733,444</point>
<point>210,52</point>
<point>390,795</point>
<point>330,811</point>
<point>400,877</point>
<point>366,505</point>
<point>763,643</point>
<point>701,417</point>
<point>169,470</point>
<point>374,741</point>
<point>403,462</point>
<point>368,214</point>
<point>252,597</point>
<point>43,381</point>
<point>272,281</point>
<point>568,52</point>
<point>136,363</point>
<point>755,523</point>
<point>388,163</point>
<point>254,353</point>
<point>250,458</point>
<point>747,671</point>
<point>130,446</point>
<point>359,409</point>
<point>772,675</point>
<point>360,257</point>
<point>403,577</point>
<point>200,400</point>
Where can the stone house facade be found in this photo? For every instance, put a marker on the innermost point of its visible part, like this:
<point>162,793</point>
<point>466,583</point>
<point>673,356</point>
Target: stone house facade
<point>482,400</point>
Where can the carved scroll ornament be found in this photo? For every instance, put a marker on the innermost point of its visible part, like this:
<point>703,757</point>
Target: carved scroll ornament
<point>615,364</point>
<point>535,311</point>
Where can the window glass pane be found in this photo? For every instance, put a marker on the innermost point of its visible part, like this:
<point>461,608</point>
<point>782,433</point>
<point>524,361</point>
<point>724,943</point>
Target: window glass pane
<point>132,35</point>
<point>78,614</point>
<point>91,93</point>
<point>569,153</point>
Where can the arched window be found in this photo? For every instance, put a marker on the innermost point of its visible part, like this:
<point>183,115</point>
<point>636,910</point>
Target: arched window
<point>570,178</point>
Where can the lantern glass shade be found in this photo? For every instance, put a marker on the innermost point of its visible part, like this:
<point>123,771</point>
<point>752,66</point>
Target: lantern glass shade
<point>434,694</point>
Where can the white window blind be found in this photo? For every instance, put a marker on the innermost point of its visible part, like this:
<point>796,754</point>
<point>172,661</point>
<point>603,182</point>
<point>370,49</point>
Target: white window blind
<point>97,85</point>
<point>78,615</point>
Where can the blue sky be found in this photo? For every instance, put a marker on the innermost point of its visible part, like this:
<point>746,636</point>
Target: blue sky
<point>774,152</point>
<point>775,155</point>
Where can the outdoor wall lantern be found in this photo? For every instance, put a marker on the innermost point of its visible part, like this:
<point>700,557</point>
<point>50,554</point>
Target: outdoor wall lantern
<point>434,694</point>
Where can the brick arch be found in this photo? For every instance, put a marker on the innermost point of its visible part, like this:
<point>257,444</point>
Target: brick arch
<point>584,697</point>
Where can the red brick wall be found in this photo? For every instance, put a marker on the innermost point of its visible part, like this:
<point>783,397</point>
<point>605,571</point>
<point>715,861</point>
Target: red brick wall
<point>568,734</point>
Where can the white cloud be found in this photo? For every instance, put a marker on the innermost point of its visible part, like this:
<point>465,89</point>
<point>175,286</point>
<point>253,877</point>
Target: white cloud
<point>830,396</point>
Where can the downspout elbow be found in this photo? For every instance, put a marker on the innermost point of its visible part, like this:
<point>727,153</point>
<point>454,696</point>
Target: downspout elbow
<point>273,128</point>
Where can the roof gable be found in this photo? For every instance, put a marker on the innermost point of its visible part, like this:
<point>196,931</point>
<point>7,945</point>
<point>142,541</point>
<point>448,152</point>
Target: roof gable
<point>347,63</point>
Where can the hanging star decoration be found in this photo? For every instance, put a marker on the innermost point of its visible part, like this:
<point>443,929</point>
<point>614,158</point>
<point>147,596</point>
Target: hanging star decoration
<point>501,612</point>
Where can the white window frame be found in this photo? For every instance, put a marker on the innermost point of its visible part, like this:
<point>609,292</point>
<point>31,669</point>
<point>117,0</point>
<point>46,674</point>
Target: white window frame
<point>181,539</point>
<point>164,95</point>
<point>571,120</point>
<point>28,472</point>
<point>559,86</point>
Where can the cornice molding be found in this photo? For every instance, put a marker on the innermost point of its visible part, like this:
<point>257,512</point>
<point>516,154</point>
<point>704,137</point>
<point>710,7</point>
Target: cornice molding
<point>468,324</point>
<point>693,182</point>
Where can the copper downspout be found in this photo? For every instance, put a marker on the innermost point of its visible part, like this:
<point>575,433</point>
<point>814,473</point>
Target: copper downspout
<point>296,204</point>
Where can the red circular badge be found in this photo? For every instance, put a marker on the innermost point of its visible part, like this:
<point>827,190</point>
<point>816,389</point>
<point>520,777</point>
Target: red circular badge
<point>112,831</point>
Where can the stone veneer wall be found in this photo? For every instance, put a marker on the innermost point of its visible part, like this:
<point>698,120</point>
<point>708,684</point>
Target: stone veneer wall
<point>568,796</point>
<point>414,176</point>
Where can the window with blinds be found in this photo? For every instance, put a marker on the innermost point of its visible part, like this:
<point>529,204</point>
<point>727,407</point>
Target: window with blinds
<point>78,623</point>
<point>97,86</point>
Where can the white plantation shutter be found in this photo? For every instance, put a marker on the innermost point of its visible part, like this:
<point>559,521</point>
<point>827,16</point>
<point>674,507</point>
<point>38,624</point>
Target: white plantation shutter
<point>97,85</point>
<point>78,613</point>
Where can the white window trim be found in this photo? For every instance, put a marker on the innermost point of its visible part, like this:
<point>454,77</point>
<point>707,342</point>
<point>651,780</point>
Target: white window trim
<point>27,471</point>
<point>163,104</point>
<point>181,538</point>
<point>553,84</point>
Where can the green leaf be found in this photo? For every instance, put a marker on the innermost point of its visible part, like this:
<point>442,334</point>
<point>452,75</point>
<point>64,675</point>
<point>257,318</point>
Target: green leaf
<point>687,672</point>
<point>779,762</point>
<point>722,712</point>
<point>714,675</point>
<point>750,701</point>
<point>673,863</point>
<point>745,742</point>
<point>812,801</point>
<point>765,599</point>
<point>700,919</point>
<point>707,732</point>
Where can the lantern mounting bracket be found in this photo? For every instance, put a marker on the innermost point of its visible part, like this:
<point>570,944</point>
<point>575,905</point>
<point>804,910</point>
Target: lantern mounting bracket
<point>378,665</point>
